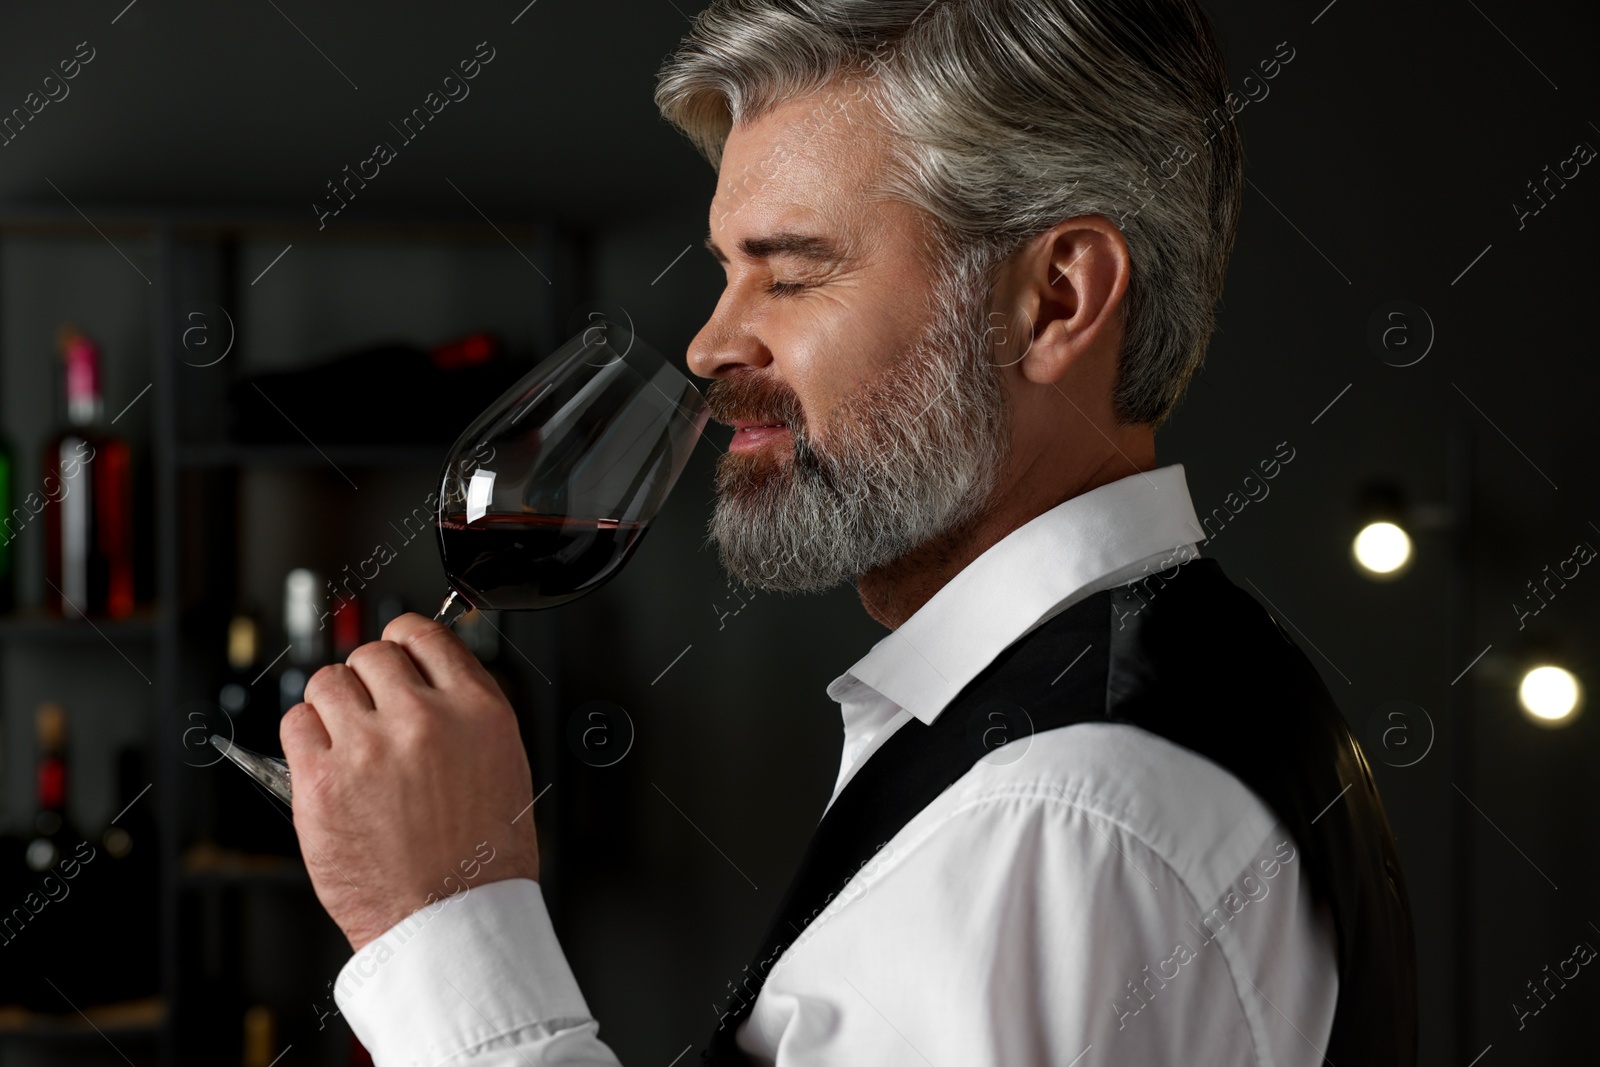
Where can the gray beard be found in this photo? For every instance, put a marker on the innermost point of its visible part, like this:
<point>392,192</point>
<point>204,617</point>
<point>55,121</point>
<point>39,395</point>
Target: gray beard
<point>911,458</point>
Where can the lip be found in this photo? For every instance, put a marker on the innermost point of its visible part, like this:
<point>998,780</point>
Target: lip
<point>751,435</point>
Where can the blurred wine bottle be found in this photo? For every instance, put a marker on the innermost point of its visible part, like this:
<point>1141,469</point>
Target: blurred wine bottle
<point>390,608</point>
<point>480,632</point>
<point>55,932</point>
<point>248,818</point>
<point>124,891</point>
<point>235,695</point>
<point>15,881</point>
<point>260,1037</point>
<point>303,625</point>
<point>347,633</point>
<point>10,526</point>
<point>88,498</point>
<point>462,374</point>
<point>54,837</point>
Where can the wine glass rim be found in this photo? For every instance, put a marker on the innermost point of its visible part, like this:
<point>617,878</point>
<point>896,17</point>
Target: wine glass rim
<point>650,351</point>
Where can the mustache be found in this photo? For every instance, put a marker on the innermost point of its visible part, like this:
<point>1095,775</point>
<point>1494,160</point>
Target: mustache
<point>747,396</point>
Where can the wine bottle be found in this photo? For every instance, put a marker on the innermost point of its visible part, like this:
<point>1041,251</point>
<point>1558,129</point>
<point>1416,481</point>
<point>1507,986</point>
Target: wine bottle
<point>8,531</point>
<point>303,625</point>
<point>121,897</point>
<point>15,882</point>
<point>346,626</point>
<point>390,608</point>
<point>53,836</point>
<point>59,933</point>
<point>260,1037</point>
<point>235,695</point>
<point>247,817</point>
<point>88,483</point>
<point>480,632</point>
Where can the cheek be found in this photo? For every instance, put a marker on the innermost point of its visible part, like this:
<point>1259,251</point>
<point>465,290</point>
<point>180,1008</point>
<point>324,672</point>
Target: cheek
<point>837,346</point>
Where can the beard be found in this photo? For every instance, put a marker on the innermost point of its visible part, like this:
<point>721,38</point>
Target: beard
<point>911,458</point>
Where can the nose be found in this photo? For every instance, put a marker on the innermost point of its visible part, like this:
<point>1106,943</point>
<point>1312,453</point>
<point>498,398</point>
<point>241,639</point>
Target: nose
<point>727,341</point>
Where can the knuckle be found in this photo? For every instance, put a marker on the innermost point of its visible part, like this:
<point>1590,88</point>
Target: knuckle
<point>360,655</point>
<point>324,681</point>
<point>439,637</point>
<point>364,751</point>
<point>409,624</point>
<point>422,733</point>
<point>371,655</point>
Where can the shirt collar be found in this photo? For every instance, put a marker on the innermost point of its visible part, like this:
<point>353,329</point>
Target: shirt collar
<point>1039,568</point>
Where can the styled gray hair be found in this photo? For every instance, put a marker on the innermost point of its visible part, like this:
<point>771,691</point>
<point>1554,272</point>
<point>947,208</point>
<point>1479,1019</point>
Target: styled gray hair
<point>1007,117</point>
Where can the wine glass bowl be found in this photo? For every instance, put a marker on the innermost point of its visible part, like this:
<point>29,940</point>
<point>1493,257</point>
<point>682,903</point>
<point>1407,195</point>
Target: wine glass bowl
<point>548,493</point>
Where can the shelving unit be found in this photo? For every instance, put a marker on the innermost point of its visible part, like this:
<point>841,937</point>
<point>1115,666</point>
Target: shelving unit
<point>208,551</point>
<point>133,1021</point>
<point>143,625</point>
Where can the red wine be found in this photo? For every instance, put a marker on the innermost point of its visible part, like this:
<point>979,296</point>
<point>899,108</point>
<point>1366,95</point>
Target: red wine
<point>510,562</point>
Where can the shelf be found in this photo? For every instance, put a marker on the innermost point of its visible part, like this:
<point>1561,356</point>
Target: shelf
<point>142,625</point>
<point>208,865</point>
<point>133,1018</point>
<point>246,455</point>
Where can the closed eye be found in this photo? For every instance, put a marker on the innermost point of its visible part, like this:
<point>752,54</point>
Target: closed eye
<point>777,288</point>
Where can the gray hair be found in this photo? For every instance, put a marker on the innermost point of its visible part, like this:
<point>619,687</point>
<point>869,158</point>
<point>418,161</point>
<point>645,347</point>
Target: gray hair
<point>1009,116</point>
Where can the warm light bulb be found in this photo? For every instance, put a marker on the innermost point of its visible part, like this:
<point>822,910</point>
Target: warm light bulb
<point>1549,695</point>
<point>1382,549</point>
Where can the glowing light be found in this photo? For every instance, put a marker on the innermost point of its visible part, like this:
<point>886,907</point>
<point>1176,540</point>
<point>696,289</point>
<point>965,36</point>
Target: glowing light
<point>1549,695</point>
<point>1382,549</point>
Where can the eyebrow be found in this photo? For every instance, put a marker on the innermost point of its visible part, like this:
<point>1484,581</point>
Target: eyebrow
<point>786,243</point>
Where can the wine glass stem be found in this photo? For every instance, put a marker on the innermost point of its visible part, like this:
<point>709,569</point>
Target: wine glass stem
<point>455,605</point>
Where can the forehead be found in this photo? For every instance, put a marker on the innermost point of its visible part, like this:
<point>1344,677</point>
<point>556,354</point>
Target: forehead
<point>812,157</point>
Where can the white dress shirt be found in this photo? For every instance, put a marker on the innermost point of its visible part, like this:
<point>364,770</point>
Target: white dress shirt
<point>1089,895</point>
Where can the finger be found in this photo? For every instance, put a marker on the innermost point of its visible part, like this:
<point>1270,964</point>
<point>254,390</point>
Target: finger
<point>340,700</point>
<point>302,735</point>
<point>443,660</point>
<point>386,670</point>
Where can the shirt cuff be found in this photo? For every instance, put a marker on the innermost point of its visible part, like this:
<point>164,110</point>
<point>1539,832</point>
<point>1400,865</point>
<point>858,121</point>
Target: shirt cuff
<point>473,969</point>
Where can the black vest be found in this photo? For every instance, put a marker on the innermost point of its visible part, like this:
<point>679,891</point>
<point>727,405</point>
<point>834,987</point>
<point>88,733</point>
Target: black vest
<point>1191,657</point>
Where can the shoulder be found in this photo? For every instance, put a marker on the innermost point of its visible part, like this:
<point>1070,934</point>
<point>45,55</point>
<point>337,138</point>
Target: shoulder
<point>1064,884</point>
<point>1111,780</point>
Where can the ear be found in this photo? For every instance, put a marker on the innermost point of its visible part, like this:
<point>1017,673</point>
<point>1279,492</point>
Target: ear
<point>1065,287</point>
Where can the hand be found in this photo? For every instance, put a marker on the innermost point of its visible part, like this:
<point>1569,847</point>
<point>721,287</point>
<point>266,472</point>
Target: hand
<point>410,779</point>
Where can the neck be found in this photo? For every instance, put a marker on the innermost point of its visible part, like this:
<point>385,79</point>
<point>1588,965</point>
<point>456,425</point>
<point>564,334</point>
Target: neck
<point>891,594</point>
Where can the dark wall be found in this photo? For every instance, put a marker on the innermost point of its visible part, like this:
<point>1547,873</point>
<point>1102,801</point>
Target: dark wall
<point>1384,164</point>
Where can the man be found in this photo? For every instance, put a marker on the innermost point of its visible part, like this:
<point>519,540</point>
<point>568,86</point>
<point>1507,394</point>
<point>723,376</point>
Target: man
<point>972,253</point>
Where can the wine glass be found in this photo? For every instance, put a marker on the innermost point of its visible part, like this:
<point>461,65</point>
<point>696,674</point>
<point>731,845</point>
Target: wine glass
<point>549,492</point>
